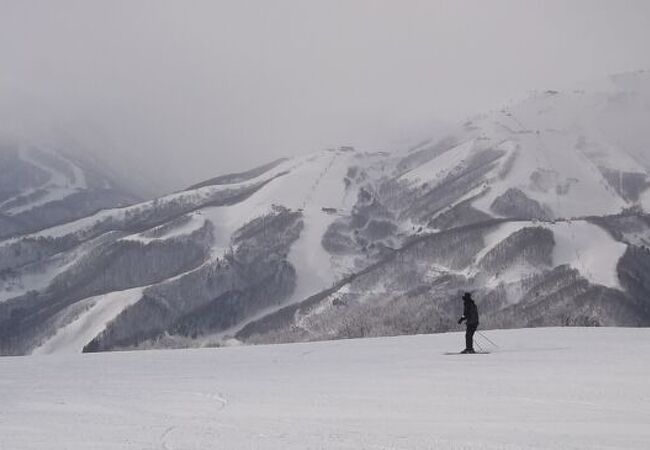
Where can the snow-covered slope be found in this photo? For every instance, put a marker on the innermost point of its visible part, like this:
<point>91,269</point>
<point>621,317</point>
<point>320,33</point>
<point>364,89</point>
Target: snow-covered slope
<point>256,235</point>
<point>559,154</point>
<point>532,207</point>
<point>569,388</point>
<point>96,313</point>
<point>41,187</point>
<point>540,208</point>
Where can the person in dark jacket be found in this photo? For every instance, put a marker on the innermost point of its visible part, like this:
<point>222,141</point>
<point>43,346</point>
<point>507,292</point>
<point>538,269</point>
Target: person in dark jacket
<point>470,316</point>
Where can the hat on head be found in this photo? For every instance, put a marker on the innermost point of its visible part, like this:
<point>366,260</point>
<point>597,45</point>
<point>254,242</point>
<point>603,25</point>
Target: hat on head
<point>467,296</point>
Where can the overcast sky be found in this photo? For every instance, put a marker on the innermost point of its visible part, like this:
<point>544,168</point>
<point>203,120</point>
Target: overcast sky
<point>185,90</point>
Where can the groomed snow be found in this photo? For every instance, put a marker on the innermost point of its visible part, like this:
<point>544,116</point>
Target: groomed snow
<point>314,182</point>
<point>589,249</point>
<point>73,337</point>
<point>498,235</point>
<point>580,244</point>
<point>566,388</point>
<point>195,222</point>
<point>435,170</point>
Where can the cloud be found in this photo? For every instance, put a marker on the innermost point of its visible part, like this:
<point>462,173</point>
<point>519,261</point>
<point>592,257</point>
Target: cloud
<point>182,91</point>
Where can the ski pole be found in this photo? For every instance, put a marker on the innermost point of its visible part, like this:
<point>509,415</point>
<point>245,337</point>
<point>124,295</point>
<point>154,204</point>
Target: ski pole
<point>485,342</point>
<point>487,339</point>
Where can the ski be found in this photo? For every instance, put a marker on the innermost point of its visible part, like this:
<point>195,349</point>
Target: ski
<point>461,353</point>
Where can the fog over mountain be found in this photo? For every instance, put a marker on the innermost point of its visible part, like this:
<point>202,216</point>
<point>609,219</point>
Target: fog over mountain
<point>539,207</point>
<point>258,172</point>
<point>219,176</point>
<point>171,93</point>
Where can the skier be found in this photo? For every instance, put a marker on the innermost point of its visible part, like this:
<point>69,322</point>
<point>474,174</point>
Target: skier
<point>470,315</point>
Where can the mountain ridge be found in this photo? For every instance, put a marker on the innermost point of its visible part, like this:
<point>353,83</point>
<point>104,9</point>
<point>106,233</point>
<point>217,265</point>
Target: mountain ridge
<point>536,207</point>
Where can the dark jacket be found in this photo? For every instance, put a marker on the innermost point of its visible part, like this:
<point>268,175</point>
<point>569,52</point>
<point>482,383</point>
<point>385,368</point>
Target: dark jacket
<point>470,312</point>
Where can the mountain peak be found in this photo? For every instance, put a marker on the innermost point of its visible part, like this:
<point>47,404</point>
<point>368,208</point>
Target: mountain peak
<point>538,206</point>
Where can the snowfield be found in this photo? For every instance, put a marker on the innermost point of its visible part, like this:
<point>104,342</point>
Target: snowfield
<point>578,243</point>
<point>100,311</point>
<point>557,388</point>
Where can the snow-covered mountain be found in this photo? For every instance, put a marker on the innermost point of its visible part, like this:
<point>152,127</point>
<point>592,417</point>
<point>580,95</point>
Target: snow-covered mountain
<point>41,187</point>
<point>539,208</point>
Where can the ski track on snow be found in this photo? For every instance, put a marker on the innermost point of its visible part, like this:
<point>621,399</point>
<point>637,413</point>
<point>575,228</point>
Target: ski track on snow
<point>554,388</point>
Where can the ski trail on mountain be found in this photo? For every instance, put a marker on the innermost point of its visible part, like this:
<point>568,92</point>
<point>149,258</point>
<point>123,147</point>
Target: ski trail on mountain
<point>101,309</point>
<point>307,255</point>
<point>56,188</point>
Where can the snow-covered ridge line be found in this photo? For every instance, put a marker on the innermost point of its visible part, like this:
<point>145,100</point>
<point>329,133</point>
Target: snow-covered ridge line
<point>537,207</point>
<point>192,200</point>
<point>44,187</point>
<point>193,222</point>
<point>59,185</point>
<point>241,177</point>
